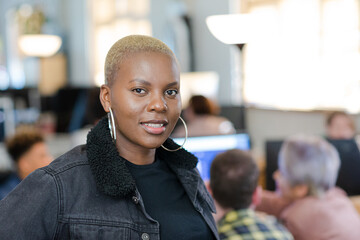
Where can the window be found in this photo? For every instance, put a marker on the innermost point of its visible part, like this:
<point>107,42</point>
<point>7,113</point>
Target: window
<point>304,55</point>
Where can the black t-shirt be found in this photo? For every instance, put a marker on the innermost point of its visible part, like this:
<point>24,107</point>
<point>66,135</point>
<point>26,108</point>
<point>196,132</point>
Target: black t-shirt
<point>166,201</point>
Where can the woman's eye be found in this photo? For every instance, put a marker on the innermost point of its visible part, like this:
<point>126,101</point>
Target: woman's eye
<point>171,92</point>
<point>139,90</point>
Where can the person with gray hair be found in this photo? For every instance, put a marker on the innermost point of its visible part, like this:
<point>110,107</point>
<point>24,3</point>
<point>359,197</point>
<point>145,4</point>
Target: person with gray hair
<point>306,199</point>
<point>309,162</point>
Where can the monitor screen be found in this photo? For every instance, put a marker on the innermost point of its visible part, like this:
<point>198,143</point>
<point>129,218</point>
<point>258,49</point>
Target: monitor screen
<point>348,177</point>
<point>272,149</point>
<point>205,148</point>
<point>2,124</point>
<point>7,117</point>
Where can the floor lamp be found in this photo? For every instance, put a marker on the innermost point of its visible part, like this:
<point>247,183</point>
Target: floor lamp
<point>233,29</point>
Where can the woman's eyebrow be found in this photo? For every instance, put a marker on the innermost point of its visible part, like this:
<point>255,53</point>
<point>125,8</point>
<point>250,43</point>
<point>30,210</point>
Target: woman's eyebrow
<point>172,84</point>
<point>142,81</point>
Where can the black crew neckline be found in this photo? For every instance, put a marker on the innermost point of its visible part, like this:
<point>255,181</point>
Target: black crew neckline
<point>146,166</point>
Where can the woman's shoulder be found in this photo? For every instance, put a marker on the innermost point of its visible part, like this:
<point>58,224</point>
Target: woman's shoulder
<point>70,160</point>
<point>332,203</point>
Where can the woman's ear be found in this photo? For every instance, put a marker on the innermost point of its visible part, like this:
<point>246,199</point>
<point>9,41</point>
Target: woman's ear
<point>300,191</point>
<point>105,97</point>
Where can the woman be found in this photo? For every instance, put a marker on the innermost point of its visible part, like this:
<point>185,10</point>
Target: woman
<point>340,125</point>
<point>128,181</point>
<point>307,201</point>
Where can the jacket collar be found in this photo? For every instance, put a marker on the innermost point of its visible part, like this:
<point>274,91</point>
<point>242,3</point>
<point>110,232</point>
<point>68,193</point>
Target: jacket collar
<point>109,169</point>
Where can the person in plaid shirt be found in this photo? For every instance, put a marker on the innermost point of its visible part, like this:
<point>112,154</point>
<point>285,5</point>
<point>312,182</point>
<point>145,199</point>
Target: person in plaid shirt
<point>233,184</point>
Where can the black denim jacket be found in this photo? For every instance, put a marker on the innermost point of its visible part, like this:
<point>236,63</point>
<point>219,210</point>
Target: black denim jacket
<point>88,193</point>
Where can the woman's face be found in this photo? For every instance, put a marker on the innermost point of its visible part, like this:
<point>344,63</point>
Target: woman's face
<point>145,99</point>
<point>340,128</point>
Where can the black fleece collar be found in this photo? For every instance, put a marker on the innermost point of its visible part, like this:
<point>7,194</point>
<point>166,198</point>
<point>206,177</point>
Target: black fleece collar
<point>109,169</point>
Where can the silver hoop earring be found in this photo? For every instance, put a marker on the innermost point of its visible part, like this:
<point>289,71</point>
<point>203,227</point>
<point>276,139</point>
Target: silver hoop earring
<point>112,125</point>
<point>182,145</point>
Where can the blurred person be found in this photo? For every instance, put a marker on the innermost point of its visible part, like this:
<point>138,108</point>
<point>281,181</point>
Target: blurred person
<point>28,150</point>
<point>306,199</point>
<point>234,186</point>
<point>130,180</point>
<point>340,125</point>
<point>202,119</point>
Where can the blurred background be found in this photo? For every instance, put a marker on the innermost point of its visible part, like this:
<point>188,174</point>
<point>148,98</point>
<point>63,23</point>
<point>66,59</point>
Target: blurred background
<point>275,68</point>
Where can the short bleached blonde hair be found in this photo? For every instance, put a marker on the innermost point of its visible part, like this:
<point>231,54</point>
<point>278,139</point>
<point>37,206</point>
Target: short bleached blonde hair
<point>129,45</point>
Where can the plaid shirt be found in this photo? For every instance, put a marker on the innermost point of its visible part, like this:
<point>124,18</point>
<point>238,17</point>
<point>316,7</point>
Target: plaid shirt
<point>245,224</point>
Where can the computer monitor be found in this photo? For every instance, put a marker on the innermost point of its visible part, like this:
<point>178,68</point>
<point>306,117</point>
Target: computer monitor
<point>349,172</point>
<point>205,148</point>
<point>7,117</point>
<point>348,177</point>
<point>272,149</point>
<point>236,114</point>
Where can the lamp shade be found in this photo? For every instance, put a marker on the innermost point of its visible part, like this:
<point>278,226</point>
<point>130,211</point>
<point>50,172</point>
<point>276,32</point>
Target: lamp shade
<point>231,28</point>
<point>39,45</point>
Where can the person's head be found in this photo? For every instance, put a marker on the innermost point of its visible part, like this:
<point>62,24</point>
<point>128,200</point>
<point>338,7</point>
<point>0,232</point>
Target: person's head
<point>28,149</point>
<point>142,84</point>
<point>234,179</point>
<point>308,166</point>
<point>201,105</point>
<point>340,125</point>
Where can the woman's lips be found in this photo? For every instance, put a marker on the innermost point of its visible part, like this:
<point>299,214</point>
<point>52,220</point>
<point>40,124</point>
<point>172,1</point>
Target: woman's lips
<point>154,128</point>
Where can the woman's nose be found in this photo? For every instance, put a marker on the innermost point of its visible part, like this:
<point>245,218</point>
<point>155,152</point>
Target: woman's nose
<point>157,103</point>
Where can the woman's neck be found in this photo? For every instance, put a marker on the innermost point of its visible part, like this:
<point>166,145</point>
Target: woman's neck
<point>136,155</point>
